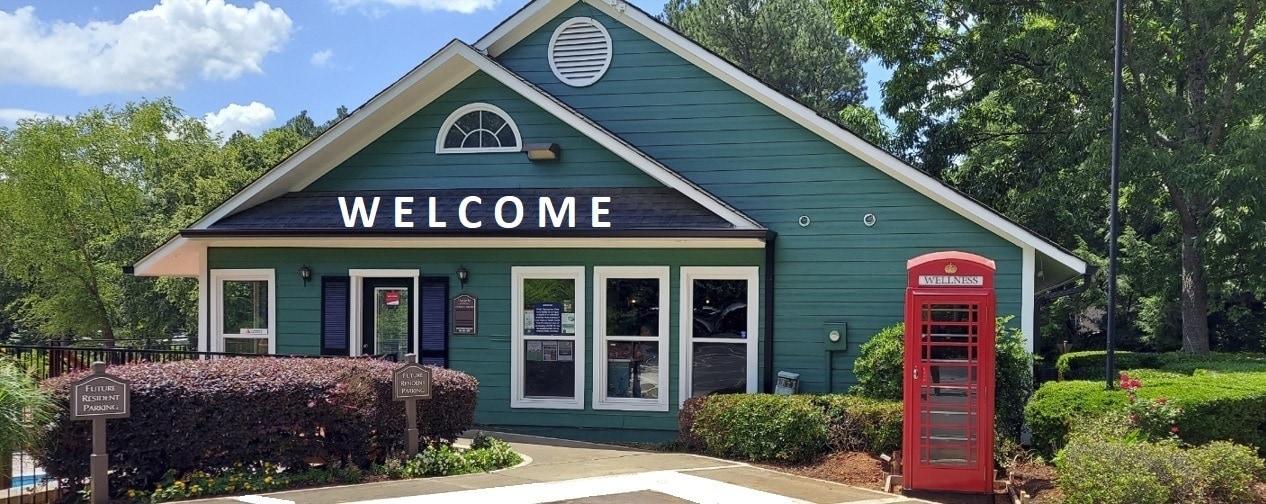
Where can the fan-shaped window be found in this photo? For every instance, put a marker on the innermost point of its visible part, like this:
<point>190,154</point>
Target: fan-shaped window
<point>478,127</point>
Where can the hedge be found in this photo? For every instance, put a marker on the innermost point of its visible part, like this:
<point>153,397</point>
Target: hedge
<point>1215,406</point>
<point>788,427</point>
<point>214,414</point>
<point>1090,365</point>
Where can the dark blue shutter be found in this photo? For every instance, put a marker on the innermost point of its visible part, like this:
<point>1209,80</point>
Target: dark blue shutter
<point>434,321</point>
<point>334,318</point>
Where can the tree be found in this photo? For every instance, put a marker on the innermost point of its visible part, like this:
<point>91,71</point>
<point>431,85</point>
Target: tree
<point>791,45</point>
<point>1012,99</point>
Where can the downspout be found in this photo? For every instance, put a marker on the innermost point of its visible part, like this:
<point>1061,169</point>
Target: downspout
<point>768,385</point>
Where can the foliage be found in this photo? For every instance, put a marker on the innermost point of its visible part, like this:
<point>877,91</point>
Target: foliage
<point>1089,365</point>
<point>858,423</point>
<point>240,478</point>
<point>791,45</point>
<point>23,407</point>
<point>761,426</point>
<point>213,414</point>
<point>880,373</point>
<point>686,415</point>
<point>1214,406</point>
<point>1009,100</point>
<point>1100,466</point>
<point>1153,418</point>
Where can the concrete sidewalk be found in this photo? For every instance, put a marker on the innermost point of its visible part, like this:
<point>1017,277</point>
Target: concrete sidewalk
<point>560,471</point>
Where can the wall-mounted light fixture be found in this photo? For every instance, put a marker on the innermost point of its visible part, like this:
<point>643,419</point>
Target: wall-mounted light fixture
<point>543,151</point>
<point>306,274</point>
<point>462,275</point>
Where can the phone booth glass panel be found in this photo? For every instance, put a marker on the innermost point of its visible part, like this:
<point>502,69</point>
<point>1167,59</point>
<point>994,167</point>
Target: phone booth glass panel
<point>949,366</point>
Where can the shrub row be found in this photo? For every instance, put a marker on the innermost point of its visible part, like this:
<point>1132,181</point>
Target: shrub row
<point>214,414</point>
<point>794,427</point>
<point>1098,466</point>
<point>1215,406</point>
<point>1090,365</point>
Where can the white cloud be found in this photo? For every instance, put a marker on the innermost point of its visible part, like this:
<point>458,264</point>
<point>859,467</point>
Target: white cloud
<point>250,119</point>
<point>158,49</point>
<point>462,6</point>
<point>9,116</point>
<point>320,59</point>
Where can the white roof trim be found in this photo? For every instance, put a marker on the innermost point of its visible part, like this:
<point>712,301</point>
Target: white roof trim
<point>537,13</point>
<point>415,90</point>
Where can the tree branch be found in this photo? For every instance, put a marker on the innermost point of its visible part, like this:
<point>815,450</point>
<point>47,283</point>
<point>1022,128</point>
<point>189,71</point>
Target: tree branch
<point>1233,76</point>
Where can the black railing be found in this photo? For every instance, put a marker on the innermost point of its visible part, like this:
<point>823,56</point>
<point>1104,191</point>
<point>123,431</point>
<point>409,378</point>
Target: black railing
<point>43,362</point>
<point>23,481</point>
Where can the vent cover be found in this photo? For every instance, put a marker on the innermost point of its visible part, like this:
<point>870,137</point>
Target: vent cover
<point>580,51</point>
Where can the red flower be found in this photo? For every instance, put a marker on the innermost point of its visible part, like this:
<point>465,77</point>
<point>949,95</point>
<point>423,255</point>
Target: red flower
<point>1174,429</point>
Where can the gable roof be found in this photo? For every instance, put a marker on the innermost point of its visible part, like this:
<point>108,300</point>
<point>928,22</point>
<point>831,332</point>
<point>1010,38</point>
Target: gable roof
<point>538,12</point>
<point>426,82</point>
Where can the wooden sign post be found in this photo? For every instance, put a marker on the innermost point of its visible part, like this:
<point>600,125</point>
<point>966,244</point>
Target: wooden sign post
<point>409,383</point>
<point>99,397</point>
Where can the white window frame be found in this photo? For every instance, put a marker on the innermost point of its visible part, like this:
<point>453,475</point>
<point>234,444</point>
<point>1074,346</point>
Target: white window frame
<point>218,277</point>
<point>686,320</point>
<point>356,336</point>
<point>517,275</point>
<point>475,107</point>
<point>600,276</point>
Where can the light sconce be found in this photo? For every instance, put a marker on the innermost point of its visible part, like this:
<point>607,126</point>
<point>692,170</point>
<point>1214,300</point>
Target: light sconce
<point>462,275</point>
<point>543,151</point>
<point>306,274</point>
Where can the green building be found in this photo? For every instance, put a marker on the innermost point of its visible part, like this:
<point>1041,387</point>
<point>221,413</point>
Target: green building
<point>595,217</point>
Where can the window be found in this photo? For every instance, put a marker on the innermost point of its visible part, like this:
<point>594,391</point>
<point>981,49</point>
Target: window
<point>548,329</point>
<point>630,368</point>
<point>719,330</point>
<point>244,311</point>
<point>478,127</point>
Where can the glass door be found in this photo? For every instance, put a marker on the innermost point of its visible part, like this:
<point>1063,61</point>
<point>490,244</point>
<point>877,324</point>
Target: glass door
<point>387,317</point>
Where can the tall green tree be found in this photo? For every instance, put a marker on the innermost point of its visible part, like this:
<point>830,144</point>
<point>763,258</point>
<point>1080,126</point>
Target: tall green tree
<point>791,45</point>
<point>1012,100</point>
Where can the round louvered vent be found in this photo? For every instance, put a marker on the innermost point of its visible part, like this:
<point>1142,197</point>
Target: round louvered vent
<point>580,51</point>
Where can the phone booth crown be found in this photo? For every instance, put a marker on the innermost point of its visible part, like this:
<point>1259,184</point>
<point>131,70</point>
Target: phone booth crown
<point>949,373</point>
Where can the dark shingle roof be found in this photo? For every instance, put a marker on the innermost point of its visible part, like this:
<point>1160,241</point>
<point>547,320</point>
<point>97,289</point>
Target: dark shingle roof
<point>630,209</point>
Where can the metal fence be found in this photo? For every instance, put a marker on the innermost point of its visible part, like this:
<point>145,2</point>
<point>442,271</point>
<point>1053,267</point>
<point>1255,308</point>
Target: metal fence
<point>45,362</point>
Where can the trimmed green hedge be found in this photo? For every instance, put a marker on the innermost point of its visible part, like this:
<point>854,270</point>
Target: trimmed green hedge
<point>1216,406</point>
<point>1090,365</point>
<point>794,427</point>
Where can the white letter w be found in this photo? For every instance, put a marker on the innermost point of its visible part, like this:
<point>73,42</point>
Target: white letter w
<point>358,209</point>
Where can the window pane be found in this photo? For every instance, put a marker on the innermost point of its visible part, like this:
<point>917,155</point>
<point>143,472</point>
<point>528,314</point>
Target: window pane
<point>549,368</point>
<point>718,368</point>
<point>491,121</point>
<point>549,306</point>
<point>720,309</point>
<point>505,137</point>
<point>632,307</point>
<point>468,122</point>
<point>258,346</point>
<point>633,369</point>
<point>454,138</point>
<point>487,139</point>
<point>391,321</point>
<point>245,305</point>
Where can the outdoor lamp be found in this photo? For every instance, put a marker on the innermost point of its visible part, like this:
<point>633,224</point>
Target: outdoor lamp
<point>306,274</point>
<point>543,151</point>
<point>462,275</point>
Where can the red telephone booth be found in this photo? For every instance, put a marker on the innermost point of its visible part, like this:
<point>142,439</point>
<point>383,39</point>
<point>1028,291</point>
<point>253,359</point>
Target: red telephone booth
<point>949,366</point>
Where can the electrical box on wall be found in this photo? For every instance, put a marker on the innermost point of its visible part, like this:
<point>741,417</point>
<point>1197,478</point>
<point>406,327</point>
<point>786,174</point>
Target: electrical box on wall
<point>836,334</point>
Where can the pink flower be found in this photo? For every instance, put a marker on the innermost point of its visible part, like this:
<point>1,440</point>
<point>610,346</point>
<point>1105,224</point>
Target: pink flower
<point>1174,429</point>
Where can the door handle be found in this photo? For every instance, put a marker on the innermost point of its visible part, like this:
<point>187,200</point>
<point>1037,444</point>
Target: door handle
<point>916,373</point>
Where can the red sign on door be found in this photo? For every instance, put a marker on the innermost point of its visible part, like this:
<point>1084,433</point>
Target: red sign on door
<point>949,373</point>
<point>391,298</point>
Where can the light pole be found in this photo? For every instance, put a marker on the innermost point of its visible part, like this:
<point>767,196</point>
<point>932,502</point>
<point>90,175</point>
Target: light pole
<point>1115,194</point>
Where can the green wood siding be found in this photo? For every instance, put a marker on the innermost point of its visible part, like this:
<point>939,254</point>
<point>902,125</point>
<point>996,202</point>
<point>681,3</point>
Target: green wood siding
<point>405,158</point>
<point>773,170</point>
<point>487,355</point>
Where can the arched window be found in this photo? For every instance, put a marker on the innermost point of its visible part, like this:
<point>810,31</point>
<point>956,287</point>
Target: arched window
<point>478,127</point>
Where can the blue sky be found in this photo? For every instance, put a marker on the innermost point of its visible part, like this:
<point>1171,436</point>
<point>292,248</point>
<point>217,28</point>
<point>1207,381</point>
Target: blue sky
<point>234,63</point>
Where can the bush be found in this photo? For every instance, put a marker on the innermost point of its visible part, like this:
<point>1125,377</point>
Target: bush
<point>880,371</point>
<point>761,426</point>
<point>1090,365</point>
<point>1215,406</point>
<point>1098,466</point>
<point>686,436</point>
<point>215,414</point>
<point>858,423</point>
<point>19,394</point>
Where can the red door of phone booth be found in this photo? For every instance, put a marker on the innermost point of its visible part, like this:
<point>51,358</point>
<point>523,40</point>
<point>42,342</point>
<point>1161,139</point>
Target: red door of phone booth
<point>949,366</point>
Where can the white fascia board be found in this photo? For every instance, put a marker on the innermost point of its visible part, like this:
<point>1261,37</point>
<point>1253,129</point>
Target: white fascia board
<point>180,256</point>
<point>610,142</point>
<point>539,12</point>
<point>381,113</point>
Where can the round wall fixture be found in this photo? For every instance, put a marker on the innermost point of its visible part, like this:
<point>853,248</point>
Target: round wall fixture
<point>804,221</point>
<point>868,220</point>
<point>580,51</point>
